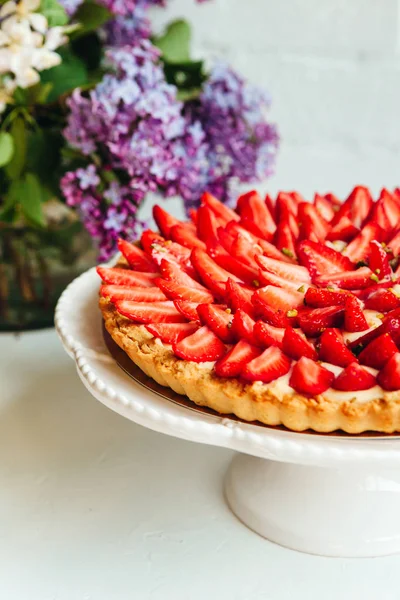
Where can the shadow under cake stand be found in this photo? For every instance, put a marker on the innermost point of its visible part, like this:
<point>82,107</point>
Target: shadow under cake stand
<point>332,495</point>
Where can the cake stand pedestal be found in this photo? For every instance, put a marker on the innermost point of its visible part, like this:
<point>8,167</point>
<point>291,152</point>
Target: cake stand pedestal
<point>331,495</point>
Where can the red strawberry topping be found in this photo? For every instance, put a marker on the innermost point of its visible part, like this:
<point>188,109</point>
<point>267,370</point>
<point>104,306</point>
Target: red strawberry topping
<point>270,365</point>
<point>389,377</point>
<point>232,364</point>
<point>307,270</point>
<point>201,346</point>
<point>332,349</point>
<point>308,377</point>
<point>169,333</point>
<point>354,378</point>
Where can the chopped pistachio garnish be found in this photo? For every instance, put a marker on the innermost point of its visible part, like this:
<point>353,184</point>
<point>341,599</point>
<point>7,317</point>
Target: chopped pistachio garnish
<point>395,292</point>
<point>374,277</point>
<point>228,310</point>
<point>287,252</point>
<point>380,316</point>
<point>301,289</point>
<point>377,271</point>
<point>292,313</point>
<point>256,283</point>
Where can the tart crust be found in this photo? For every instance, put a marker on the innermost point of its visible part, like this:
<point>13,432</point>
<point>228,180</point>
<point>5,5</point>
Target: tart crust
<point>250,402</point>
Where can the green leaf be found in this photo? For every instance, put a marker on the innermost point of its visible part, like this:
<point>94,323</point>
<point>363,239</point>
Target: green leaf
<point>6,148</point>
<point>54,12</point>
<point>187,76</point>
<point>65,77</point>
<point>175,43</point>
<point>30,198</point>
<point>18,132</point>
<point>90,17</point>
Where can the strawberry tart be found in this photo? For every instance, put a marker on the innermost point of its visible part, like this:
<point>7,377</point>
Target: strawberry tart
<point>281,311</point>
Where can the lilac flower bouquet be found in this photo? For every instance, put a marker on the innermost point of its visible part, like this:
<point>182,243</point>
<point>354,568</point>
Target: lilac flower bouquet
<point>96,112</point>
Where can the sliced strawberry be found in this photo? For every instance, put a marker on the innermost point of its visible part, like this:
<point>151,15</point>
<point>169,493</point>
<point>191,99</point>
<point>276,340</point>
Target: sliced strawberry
<point>202,346</point>
<point>320,298</point>
<point>207,225</point>
<point>324,207</point>
<point>378,352</point>
<point>164,220</point>
<point>270,365</point>
<point>382,300</point>
<point>222,211</point>
<point>288,271</point>
<point>251,206</point>
<point>354,378</point>
<point>267,278</point>
<point>236,359</point>
<point>187,309</point>
<point>389,377</point>
<point>239,270</point>
<point>343,230</point>
<point>117,276</point>
<point>380,217</point>
<point>313,321</point>
<point>391,324</point>
<point>243,327</point>
<point>186,236</point>
<point>334,201</point>
<point>391,205</point>
<point>274,305</point>
<point>285,203</point>
<point>253,228</point>
<point>174,253</point>
<point>137,259</point>
<point>238,296</point>
<point>284,239</point>
<point>139,294</point>
<point>271,206</point>
<point>149,238</point>
<point>354,319</point>
<point>149,312</point>
<point>312,222</point>
<point>308,377</point>
<point>268,335</point>
<point>170,333</point>
<point>394,244</point>
<point>245,250</point>
<point>212,275</point>
<point>193,215</point>
<point>296,345</point>
<point>379,260</point>
<point>226,239</point>
<point>332,349</point>
<point>357,207</point>
<point>218,320</point>
<point>172,272</point>
<point>348,280</point>
<point>175,291</point>
<point>359,248</point>
<point>269,249</point>
<point>321,260</point>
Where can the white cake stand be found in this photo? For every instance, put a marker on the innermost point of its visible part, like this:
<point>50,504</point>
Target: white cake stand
<point>327,495</point>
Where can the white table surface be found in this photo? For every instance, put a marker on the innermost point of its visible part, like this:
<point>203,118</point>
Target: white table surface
<point>94,507</point>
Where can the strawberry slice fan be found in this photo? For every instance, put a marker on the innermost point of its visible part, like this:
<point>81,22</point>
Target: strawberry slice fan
<point>284,315</point>
<point>302,298</point>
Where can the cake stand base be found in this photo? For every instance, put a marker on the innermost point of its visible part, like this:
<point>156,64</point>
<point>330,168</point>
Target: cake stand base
<point>346,511</point>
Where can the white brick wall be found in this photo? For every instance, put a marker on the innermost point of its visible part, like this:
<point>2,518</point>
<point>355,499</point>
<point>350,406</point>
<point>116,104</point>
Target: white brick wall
<point>333,70</point>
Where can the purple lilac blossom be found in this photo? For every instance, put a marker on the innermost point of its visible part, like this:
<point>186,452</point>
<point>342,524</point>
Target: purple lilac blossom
<point>241,144</point>
<point>70,6</point>
<point>108,214</point>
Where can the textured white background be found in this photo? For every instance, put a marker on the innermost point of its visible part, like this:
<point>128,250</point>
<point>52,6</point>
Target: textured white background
<point>94,507</point>
<point>333,70</point>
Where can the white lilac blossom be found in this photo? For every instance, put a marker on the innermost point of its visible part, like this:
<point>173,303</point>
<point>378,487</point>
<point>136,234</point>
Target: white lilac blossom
<point>27,46</point>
